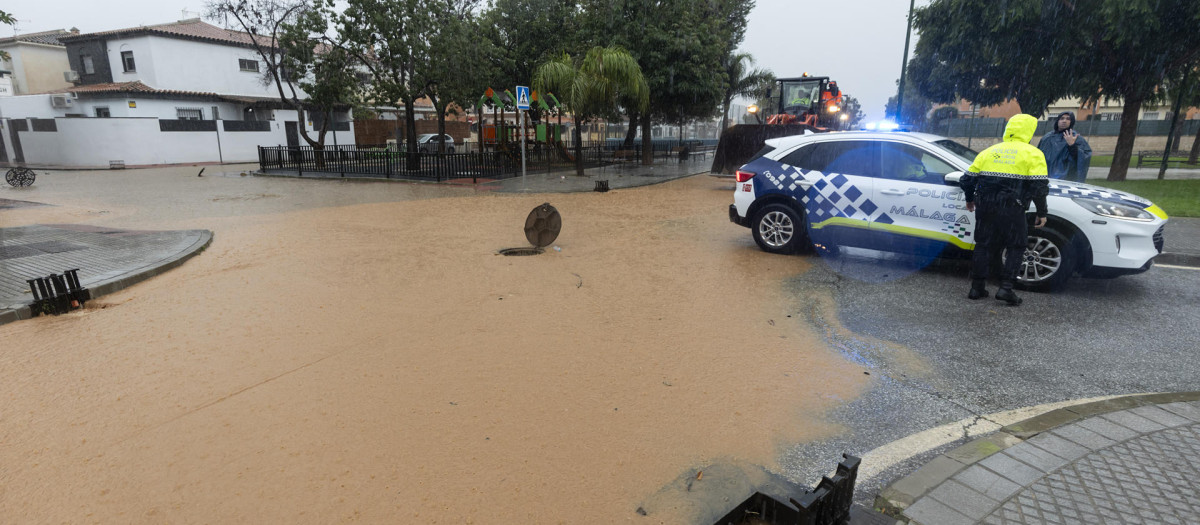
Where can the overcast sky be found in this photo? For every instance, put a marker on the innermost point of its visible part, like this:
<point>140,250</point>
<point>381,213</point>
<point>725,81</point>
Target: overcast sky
<point>858,43</point>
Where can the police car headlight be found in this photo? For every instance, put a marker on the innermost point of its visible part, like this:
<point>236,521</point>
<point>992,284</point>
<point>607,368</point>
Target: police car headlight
<point>1112,209</point>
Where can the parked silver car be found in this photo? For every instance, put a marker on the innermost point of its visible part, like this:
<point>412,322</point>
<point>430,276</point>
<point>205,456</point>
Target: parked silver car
<point>428,143</point>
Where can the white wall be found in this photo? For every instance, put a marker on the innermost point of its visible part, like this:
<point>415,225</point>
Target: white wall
<point>143,60</point>
<point>41,67</point>
<point>29,106</point>
<point>188,65</point>
<point>93,142</point>
<point>156,108</point>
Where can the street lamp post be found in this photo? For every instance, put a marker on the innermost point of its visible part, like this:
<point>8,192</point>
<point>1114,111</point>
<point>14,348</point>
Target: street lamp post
<point>904,62</point>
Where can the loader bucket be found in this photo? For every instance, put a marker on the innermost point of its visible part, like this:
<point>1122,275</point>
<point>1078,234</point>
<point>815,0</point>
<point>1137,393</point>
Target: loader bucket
<point>742,141</point>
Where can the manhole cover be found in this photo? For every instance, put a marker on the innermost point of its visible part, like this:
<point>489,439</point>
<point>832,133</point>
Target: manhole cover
<point>521,251</point>
<point>542,225</point>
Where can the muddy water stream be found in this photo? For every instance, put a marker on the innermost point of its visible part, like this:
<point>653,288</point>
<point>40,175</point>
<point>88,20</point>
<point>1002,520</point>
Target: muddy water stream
<point>359,352</point>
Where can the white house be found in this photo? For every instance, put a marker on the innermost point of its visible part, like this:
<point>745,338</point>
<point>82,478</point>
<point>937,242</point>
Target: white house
<point>35,63</point>
<point>182,92</point>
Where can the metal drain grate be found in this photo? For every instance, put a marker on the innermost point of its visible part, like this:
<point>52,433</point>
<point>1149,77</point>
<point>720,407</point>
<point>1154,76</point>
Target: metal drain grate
<point>521,251</point>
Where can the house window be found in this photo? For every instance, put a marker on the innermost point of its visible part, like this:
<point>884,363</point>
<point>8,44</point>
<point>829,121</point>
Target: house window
<point>248,65</point>
<point>1150,115</point>
<point>127,61</point>
<point>88,67</point>
<point>189,113</point>
<point>103,112</point>
<point>1110,116</point>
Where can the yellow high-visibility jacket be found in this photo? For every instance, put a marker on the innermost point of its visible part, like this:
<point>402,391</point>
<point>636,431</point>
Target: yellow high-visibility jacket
<point>1012,172</point>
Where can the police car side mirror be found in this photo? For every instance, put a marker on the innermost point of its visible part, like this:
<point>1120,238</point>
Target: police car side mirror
<point>952,177</point>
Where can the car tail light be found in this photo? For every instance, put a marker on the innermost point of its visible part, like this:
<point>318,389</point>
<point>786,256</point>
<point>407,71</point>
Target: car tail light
<point>743,176</point>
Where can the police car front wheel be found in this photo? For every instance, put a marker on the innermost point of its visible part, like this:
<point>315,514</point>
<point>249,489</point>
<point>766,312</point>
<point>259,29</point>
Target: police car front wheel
<point>778,228</point>
<point>1048,261</point>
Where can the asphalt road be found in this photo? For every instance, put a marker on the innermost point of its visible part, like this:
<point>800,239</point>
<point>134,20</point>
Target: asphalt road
<point>936,357</point>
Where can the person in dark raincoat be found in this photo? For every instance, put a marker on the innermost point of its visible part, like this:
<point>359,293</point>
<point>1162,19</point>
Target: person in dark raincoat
<point>998,188</point>
<point>1068,155</point>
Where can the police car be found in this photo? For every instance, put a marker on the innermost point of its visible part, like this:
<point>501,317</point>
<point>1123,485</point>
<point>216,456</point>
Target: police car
<point>898,192</point>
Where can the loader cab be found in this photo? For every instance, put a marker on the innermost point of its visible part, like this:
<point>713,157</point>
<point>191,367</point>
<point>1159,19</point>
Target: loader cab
<point>798,95</point>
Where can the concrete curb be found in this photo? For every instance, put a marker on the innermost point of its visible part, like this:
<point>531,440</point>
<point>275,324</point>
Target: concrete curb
<point>1178,259</point>
<point>125,280</point>
<point>900,494</point>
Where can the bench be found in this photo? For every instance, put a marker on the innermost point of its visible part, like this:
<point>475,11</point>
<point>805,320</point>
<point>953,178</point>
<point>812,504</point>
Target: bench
<point>626,155</point>
<point>1155,158</point>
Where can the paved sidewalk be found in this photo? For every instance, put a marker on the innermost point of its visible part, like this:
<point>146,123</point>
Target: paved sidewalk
<point>108,259</point>
<point>1134,459</point>
<point>626,175</point>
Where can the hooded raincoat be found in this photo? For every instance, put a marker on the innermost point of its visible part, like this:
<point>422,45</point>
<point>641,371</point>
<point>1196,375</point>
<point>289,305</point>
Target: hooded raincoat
<point>1070,162</point>
<point>1012,172</point>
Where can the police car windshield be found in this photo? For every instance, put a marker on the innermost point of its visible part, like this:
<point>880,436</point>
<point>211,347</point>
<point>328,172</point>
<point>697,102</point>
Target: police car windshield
<point>958,150</point>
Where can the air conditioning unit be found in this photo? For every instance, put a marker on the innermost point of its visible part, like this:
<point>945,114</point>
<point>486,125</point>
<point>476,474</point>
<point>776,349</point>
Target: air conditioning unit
<point>71,76</point>
<point>62,100</point>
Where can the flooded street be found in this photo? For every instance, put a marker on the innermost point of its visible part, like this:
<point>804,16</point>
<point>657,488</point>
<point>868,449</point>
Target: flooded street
<point>357,351</point>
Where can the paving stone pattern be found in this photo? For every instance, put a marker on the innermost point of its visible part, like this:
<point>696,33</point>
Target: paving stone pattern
<point>100,254</point>
<point>1148,479</point>
<point>1138,465</point>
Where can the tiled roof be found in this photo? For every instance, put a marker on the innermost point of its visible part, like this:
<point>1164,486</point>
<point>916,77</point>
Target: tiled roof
<point>44,37</point>
<point>129,87</point>
<point>136,87</point>
<point>193,29</point>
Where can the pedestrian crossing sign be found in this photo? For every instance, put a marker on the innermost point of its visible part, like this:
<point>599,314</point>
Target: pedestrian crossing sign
<point>522,97</point>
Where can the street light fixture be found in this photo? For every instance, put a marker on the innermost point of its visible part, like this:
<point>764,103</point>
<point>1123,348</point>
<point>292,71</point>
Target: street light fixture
<point>753,110</point>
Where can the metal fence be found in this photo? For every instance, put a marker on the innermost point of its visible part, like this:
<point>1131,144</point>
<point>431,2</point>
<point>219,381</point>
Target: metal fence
<point>994,127</point>
<point>467,162</point>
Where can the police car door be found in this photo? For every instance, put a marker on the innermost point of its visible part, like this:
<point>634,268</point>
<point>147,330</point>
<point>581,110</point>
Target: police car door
<point>921,213</point>
<point>838,203</point>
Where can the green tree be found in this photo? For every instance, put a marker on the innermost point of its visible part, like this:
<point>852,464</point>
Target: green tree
<point>989,52</point>
<point>527,33</point>
<point>309,74</point>
<point>592,86</point>
<point>391,38</point>
<point>679,45</point>
<point>740,81</point>
<point>7,19</point>
<point>1036,51</point>
<point>1185,86</point>
<point>916,107</point>
<point>852,108</point>
<point>457,63</point>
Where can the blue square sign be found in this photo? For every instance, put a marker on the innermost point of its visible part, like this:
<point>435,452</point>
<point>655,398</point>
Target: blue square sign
<point>522,97</point>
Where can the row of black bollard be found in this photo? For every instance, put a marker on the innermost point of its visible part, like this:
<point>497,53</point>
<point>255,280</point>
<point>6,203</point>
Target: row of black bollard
<point>56,294</point>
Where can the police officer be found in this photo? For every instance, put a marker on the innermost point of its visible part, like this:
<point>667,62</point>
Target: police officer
<point>998,188</point>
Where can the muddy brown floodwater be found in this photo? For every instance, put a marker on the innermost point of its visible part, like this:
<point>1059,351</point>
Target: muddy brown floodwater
<point>359,352</point>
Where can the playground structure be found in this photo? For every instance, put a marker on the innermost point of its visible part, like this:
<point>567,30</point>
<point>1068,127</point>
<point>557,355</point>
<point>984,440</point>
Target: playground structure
<point>505,137</point>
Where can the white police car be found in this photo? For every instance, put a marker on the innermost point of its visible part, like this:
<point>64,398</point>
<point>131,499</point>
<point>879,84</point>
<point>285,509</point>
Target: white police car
<point>899,192</point>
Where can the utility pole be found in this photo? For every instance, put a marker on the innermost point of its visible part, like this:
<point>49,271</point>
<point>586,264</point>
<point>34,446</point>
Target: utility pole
<point>904,62</point>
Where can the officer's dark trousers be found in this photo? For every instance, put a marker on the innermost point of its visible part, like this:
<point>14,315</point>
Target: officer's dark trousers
<point>998,227</point>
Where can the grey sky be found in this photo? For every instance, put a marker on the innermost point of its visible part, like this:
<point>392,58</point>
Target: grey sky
<point>856,42</point>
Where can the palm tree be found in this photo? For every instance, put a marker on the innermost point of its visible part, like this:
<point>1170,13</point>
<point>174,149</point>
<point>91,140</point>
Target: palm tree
<point>593,86</point>
<point>741,81</point>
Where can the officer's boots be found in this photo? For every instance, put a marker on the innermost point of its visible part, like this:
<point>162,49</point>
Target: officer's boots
<point>978,291</point>
<point>1006,294</point>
